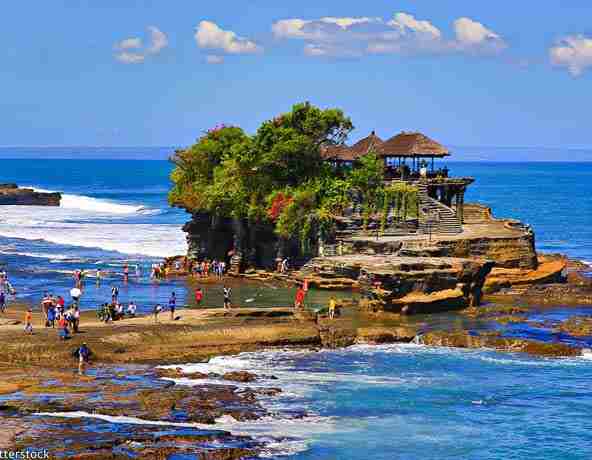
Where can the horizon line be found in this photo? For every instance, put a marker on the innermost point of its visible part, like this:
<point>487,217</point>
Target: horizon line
<point>452,146</point>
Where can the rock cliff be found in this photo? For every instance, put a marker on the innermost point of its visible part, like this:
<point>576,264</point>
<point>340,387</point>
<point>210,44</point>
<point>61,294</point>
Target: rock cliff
<point>407,285</point>
<point>11,194</point>
<point>239,242</point>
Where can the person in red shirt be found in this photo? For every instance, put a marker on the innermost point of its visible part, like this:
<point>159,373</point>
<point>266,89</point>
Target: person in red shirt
<point>198,296</point>
<point>63,328</point>
<point>299,300</point>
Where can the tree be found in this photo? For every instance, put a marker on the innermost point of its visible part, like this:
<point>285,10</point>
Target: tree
<point>230,174</point>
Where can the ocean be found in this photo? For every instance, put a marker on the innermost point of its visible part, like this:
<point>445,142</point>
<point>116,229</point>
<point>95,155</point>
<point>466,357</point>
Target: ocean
<point>383,402</point>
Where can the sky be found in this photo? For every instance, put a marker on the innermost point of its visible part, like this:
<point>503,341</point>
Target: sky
<point>160,73</point>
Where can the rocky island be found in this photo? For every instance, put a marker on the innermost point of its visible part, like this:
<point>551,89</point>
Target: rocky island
<point>12,194</point>
<point>378,216</point>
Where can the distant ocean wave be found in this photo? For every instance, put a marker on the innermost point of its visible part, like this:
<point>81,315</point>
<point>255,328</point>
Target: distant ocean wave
<point>81,221</point>
<point>87,203</point>
<point>159,240</point>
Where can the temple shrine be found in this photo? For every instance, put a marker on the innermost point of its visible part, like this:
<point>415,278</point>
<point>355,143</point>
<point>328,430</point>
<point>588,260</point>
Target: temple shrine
<point>411,158</point>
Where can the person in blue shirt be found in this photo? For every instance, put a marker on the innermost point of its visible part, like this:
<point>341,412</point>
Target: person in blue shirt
<point>173,305</point>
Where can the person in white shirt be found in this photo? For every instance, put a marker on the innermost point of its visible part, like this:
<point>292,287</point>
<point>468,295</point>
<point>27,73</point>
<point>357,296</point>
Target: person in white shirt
<point>131,309</point>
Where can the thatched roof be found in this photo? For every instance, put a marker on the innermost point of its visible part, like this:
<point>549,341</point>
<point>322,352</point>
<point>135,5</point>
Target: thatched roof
<point>369,143</point>
<point>345,153</point>
<point>412,145</point>
<point>337,153</point>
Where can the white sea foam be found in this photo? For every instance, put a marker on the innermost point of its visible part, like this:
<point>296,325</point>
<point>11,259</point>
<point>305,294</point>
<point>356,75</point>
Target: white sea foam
<point>287,435</point>
<point>587,354</point>
<point>92,223</point>
<point>295,383</point>
<point>37,255</point>
<point>96,205</point>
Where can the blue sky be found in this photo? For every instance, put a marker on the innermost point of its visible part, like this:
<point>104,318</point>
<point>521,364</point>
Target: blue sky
<point>130,72</point>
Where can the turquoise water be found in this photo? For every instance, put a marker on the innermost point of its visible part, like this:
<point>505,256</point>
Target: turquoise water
<point>411,401</point>
<point>389,402</point>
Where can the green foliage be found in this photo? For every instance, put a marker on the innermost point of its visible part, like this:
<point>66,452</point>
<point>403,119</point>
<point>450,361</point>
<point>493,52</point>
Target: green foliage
<point>277,175</point>
<point>230,174</point>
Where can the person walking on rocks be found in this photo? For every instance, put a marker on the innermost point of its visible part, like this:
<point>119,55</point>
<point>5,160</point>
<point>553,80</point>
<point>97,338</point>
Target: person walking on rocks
<point>299,300</point>
<point>2,302</point>
<point>156,311</point>
<point>227,292</point>
<point>332,305</point>
<point>172,305</point>
<point>29,322</point>
<point>83,357</point>
<point>198,296</point>
<point>75,293</point>
<point>114,294</point>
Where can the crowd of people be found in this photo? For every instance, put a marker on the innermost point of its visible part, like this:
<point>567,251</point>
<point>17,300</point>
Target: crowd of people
<point>205,268</point>
<point>115,310</point>
<point>55,313</point>
<point>159,271</point>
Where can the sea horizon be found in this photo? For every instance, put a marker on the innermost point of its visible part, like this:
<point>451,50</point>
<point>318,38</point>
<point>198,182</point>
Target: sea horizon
<point>459,153</point>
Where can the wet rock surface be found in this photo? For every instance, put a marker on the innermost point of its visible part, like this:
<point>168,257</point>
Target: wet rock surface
<point>465,339</point>
<point>140,394</point>
<point>422,285</point>
<point>576,326</point>
<point>98,440</point>
<point>11,194</point>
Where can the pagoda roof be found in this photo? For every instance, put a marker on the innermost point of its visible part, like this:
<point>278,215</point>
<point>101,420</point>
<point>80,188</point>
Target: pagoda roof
<point>369,143</point>
<point>412,145</point>
<point>339,152</point>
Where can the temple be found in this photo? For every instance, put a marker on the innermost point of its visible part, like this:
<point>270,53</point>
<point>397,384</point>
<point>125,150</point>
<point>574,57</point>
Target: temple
<point>436,221</point>
<point>411,158</point>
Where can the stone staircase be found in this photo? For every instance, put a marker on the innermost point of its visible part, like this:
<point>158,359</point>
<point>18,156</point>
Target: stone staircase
<point>436,215</point>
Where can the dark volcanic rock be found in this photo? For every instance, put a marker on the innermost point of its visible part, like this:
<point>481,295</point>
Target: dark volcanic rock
<point>240,376</point>
<point>11,194</point>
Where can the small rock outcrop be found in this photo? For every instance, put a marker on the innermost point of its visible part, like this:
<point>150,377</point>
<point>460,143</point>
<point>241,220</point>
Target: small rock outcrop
<point>11,194</point>
<point>407,285</point>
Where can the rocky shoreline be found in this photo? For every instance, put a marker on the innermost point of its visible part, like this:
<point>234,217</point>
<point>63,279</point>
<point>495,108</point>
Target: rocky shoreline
<point>12,194</point>
<point>126,379</point>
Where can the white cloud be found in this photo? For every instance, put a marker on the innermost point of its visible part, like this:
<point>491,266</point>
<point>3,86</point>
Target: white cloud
<point>403,34</point>
<point>406,23</point>
<point>129,43</point>
<point>574,53</point>
<point>158,41</point>
<point>345,23</point>
<point>213,59</point>
<point>290,28</point>
<point>474,35</point>
<point>209,35</point>
<point>130,58</point>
